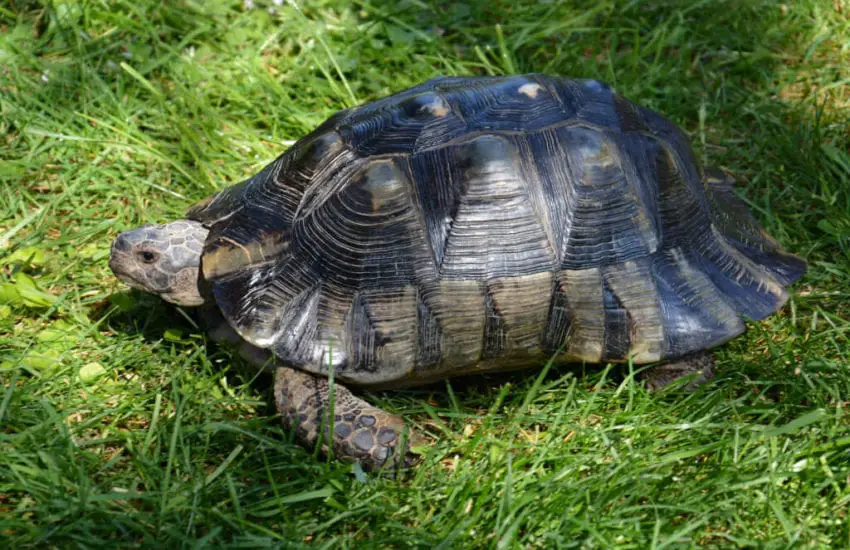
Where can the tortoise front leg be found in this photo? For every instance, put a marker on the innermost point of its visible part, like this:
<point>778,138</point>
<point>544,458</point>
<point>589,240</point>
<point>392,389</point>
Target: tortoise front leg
<point>701,365</point>
<point>361,432</point>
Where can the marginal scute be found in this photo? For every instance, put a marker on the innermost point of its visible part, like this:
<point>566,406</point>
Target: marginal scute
<point>383,323</point>
<point>583,288</point>
<point>695,314</point>
<point>522,303</point>
<point>633,284</point>
<point>750,288</point>
<point>329,345</point>
<point>747,268</point>
<point>225,255</point>
<point>559,320</point>
<point>460,307</point>
<point>616,338</point>
<point>217,209</point>
<point>496,342</point>
<point>739,228</point>
<point>429,334</point>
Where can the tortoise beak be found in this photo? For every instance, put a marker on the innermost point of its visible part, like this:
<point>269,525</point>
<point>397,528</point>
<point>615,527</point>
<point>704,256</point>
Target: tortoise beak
<point>119,258</point>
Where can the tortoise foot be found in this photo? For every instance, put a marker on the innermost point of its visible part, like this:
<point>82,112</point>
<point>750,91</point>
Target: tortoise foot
<point>361,432</point>
<point>699,365</point>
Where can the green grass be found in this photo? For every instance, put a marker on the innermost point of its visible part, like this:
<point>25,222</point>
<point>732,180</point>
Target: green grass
<point>119,427</point>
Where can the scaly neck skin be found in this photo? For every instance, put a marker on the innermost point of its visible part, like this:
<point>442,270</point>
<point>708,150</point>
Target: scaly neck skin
<point>162,259</point>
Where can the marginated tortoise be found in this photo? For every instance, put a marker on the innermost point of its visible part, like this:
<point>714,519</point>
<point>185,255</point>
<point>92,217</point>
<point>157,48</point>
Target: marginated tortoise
<point>460,226</point>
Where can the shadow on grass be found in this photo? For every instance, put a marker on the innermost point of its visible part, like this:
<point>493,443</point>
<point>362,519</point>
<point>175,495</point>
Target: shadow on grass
<point>136,312</point>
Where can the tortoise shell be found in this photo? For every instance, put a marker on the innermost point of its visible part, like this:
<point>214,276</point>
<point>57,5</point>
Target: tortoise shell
<point>488,223</point>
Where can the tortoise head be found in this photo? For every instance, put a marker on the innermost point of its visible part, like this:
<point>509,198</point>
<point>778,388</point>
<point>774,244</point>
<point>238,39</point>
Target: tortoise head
<point>162,259</point>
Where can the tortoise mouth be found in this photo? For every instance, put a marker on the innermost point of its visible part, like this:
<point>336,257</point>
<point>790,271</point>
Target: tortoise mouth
<point>115,264</point>
<point>123,274</point>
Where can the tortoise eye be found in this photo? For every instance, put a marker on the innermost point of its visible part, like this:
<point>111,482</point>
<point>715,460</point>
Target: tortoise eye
<point>148,257</point>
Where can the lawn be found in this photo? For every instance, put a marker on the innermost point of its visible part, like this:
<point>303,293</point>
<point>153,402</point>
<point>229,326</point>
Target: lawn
<point>121,427</point>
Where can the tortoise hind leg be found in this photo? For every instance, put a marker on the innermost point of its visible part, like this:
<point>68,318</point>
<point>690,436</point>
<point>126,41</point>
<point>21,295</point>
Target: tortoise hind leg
<point>361,432</point>
<point>701,365</point>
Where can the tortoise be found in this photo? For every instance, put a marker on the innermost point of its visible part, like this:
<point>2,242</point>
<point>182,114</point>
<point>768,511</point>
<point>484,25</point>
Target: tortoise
<point>460,226</point>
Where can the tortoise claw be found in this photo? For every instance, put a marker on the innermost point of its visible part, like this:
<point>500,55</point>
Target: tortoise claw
<point>361,432</point>
<point>699,364</point>
<point>373,437</point>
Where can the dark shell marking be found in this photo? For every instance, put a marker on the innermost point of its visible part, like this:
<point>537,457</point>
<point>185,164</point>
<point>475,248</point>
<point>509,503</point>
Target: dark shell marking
<point>486,223</point>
